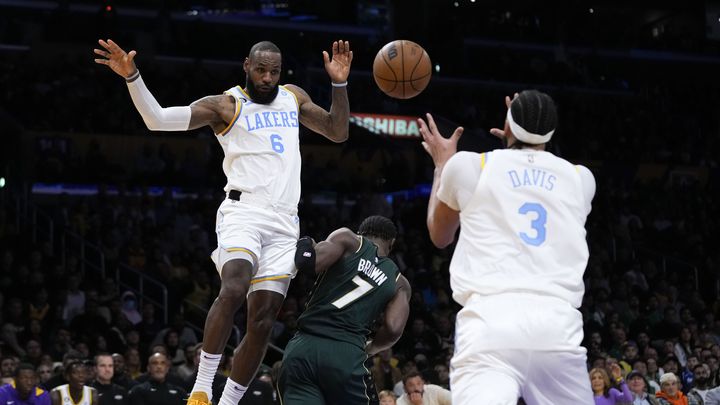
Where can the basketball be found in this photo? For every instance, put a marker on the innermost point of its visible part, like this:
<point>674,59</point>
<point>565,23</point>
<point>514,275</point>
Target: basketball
<point>402,69</point>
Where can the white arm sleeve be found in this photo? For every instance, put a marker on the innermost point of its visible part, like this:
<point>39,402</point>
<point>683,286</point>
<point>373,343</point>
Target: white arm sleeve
<point>459,179</point>
<point>157,118</point>
<point>588,186</point>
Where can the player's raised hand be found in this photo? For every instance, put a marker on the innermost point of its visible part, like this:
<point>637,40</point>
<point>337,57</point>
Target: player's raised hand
<point>500,133</point>
<point>116,58</point>
<point>338,67</point>
<point>437,146</point>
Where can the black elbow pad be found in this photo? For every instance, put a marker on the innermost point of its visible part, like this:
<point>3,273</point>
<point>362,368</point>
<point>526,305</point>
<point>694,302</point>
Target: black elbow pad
<point>305,254</point>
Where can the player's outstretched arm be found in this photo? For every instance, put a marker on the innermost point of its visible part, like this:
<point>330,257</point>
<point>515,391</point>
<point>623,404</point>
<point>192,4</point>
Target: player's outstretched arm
<point>442,221</point>
<point>213,110</point>
<point>333,125</point>
<point>396,315</point>
<point>320,257</point>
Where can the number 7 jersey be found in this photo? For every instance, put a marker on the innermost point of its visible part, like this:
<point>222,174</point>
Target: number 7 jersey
<point>349,296</point>
<point>262,148</point>
<point>522,228</point>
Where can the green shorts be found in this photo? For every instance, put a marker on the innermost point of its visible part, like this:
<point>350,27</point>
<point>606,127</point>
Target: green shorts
<point>323,371</point>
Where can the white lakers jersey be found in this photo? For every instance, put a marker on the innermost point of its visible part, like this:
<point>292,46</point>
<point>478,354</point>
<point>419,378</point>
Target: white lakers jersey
<point>522,228</point>
<point>66,399</point>
<point>262,149</point>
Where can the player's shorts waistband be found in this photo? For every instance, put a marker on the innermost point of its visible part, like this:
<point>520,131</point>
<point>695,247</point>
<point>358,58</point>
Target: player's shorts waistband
<point>262,202</point>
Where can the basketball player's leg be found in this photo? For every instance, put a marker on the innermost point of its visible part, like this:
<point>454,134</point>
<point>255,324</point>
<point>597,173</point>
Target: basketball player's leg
<point>235,283</point>
<point>236,260</point>
<point>298,377</point>
<point>344,374</point>
<point>487,378</point>
<point>263,307</point>
<point>234,286</point>
<point>268,288</point>
<point>558,378</point>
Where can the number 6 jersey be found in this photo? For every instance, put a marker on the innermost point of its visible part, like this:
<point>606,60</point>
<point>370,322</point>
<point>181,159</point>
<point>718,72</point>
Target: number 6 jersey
<point>262,150</point>
<point>522,215</point>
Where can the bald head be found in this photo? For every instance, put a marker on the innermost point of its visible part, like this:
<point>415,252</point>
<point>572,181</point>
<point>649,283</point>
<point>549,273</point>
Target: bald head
<point>158,367</point>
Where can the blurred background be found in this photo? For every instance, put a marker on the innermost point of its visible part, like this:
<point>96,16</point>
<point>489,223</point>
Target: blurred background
<point>105,227</point>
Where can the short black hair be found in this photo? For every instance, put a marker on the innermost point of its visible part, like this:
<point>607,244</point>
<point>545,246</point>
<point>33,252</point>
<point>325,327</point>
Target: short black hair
<point>535,112</point>
<point>23,366</point>
<point>410,375</point>
<point>379,227</point>
<point>74,364</point>
<point>264,46</point>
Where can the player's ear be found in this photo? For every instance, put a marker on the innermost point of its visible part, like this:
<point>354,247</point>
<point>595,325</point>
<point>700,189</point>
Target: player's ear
<point>246,64</point>
<point>392,243</point>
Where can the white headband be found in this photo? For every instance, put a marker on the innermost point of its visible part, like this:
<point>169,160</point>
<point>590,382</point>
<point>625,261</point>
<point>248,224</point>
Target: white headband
<point>525,136</point>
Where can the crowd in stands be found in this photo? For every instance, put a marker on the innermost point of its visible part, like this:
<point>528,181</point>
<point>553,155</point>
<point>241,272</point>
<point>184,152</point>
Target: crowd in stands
<point>651,308</point>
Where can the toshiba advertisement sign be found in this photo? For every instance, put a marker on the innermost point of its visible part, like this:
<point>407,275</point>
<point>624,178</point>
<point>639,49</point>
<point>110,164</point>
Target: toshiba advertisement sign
<point>398,126</point>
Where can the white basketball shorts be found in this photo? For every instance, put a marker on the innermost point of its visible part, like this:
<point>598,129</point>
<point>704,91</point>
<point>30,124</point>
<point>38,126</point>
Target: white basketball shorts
<point>263,235</point>
<point>519,345</point>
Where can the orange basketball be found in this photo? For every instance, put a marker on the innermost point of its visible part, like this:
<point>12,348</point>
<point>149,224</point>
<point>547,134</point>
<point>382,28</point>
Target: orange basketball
<point>402,69</point>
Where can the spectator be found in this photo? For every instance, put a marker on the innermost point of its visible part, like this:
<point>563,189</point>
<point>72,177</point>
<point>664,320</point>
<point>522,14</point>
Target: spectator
<point>602,390</point>
<point>13,326</point>
<point>129,307</point>
<point>672,365</point>
<point>44,372</point>
<point>653,373</point>
<point>687,376</point>
<point>108,392</point>
<point>75,299</point>
<point>630,354</point>
<point>639,388</point>
<point>7,369</point>
<point>670,393</point>
<point>185,333</point>
<point>75,391</point>
<point>157,391</point>
<point>133,367</point>
<point>186,369</point>
<point>419,393</point>
<point>387,397</point>
<point>120,376</point>
<point>684,347</point>
<point>174,351</point>
<point>89,324</point>
<point>24,390</point>
<point>62,343</point>
<point>713,397</point>
<point>407,368</point>
<point>384,371</point>
<point>443,375</point>
<point>60,378</point>
<point>698,394</point>
<point>150,325</point>
<point>419,339</point>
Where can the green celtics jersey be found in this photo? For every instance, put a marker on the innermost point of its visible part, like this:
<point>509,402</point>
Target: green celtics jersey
<point>350,295</point>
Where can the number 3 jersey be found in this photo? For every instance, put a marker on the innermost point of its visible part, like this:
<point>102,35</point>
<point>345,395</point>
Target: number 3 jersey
<point>261,146</point>
<point>522,223</point>
<point>349,296</point>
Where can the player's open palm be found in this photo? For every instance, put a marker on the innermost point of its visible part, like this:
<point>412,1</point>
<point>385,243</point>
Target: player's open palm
<point>437,146</point>
<point>116,58</point>
<point>500,133</point>
<point>338,67</point>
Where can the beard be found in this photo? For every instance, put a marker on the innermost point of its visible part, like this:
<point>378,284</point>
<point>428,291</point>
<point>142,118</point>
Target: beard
<point>258,96</point>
